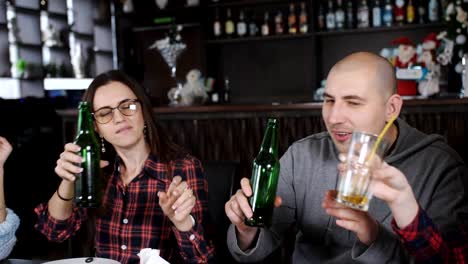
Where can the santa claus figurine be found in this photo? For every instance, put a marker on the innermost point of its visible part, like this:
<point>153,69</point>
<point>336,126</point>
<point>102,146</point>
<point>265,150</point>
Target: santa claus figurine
<point>430,84</point>
<point>406,58</point>
<point>427,58</point>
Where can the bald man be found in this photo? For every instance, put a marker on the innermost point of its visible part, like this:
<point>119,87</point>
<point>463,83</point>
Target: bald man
<point>359,96</point>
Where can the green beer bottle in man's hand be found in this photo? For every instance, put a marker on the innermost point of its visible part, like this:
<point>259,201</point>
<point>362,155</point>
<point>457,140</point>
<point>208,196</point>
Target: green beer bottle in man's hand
<point>265,174</point>
<point>88,184</point>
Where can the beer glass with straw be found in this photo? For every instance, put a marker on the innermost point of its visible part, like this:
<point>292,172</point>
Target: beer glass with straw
<point>365,153</point>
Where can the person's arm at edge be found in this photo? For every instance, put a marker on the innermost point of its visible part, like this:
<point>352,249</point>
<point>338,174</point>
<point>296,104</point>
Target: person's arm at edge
<point>9,221</point>
<point>3,211</point>
<point>424,241</point>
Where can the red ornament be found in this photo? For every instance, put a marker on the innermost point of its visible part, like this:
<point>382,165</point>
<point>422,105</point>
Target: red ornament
<point>406,58</point>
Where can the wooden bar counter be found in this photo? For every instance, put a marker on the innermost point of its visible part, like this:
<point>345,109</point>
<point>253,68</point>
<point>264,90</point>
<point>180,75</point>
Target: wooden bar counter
<point>234,132</point>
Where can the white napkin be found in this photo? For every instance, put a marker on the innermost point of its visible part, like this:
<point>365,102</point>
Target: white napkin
<point>151,256</point>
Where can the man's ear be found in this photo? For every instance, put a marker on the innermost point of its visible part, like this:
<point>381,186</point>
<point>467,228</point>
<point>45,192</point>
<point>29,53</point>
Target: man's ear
<point>394,105</point>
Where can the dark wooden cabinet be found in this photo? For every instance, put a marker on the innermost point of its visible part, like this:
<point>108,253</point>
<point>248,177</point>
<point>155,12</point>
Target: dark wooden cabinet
<point>282,68</point>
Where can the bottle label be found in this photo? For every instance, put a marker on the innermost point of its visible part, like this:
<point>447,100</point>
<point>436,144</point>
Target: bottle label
<point>253,30</point>
<point>376,17</point>
<point>265,30</point>
<point>387,17</point>
<point>292,24</point>
<point>410,14</point>
<point>217,29</point>
<point>279,29</point>
<point>363,17</point>
<point>340,18</point>
<point>331,21</point>
<point>433,14</point>
<point>241,29</point>
<point>214,97</point>
<point>229,27</point>
<point>303,19</point>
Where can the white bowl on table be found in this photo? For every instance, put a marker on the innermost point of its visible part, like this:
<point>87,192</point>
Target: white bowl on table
<point>88,260</point>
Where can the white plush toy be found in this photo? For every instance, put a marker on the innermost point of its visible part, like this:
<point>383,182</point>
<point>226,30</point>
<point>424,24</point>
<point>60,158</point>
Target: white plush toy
<point>194,90</point>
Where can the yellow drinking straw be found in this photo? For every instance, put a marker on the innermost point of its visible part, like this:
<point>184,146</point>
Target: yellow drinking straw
<point>379,138</point>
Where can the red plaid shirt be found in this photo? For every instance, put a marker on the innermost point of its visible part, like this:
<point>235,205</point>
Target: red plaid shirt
<point>134,220</point>
<point>425,243</point>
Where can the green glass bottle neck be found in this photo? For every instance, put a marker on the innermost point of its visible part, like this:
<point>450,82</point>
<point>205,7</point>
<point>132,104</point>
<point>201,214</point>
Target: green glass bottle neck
<point>270,140</point>
<point>85,120</point>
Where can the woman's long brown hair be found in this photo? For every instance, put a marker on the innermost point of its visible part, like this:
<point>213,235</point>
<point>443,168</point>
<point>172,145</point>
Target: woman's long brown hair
<point>160,145</point>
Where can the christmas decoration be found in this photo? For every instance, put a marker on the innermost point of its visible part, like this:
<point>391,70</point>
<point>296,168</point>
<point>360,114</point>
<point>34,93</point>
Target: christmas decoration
<point>406,58</point>
<point>457,25</point>
<point>454,41</point>
<point>170,49</point>
<point>429,85</point>
<point>194,90</point>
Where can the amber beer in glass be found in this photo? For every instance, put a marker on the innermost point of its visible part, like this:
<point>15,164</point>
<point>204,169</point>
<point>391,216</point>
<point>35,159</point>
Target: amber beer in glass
<point>88,186</point>
<point>362,158</point>
<point>264,178</point>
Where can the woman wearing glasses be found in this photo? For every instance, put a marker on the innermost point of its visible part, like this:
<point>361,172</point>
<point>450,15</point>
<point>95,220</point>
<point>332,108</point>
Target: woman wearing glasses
<point>146,203</point>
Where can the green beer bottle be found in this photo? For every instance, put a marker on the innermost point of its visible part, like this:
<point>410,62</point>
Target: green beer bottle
<point>88,186</point>
<point>264,179</point>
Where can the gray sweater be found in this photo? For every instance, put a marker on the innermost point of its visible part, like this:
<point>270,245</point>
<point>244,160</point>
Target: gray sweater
<point>309,168</point>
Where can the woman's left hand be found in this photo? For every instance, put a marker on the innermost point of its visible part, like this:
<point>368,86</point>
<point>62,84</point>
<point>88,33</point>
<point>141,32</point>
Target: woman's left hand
<point>177,203</point>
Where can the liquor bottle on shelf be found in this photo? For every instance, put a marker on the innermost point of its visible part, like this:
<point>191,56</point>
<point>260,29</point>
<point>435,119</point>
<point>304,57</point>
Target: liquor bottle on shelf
<point>241,25</point>
<point>339,15</point>
<point>363,14</point>
<point>227,91</point>
<point>349,14</point>
<point>330,17</point>
<point>303,21</point>
<point>388,14</point>
<point>433,11</point>
<point>399,11</point>
<point>217,32</point>
<point>253,28</point>
<point>410,12</point>
<point>214,97</point>
<point>279,27</point>
<point>376,14</point>
<point>292,20</point>
<point>265,25</point>
<point>421,12</point>
<point>229,24</point>
<point>321,17</point>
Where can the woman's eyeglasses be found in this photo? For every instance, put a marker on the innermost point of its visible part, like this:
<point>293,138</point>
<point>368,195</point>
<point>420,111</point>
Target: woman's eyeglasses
<point>127,107</point>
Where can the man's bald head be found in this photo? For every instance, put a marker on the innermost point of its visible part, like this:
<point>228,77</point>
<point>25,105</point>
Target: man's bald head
<point>377,68</point>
